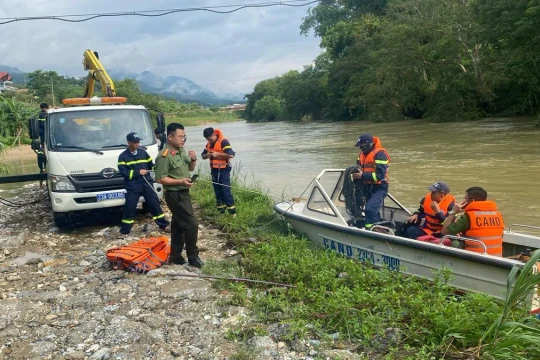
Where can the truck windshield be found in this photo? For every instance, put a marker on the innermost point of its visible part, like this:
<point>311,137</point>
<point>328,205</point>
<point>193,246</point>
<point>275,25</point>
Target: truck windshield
<point>98,129</point>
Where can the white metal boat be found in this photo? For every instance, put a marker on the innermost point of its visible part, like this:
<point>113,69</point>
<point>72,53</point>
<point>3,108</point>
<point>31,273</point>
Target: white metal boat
<point>323,217</point>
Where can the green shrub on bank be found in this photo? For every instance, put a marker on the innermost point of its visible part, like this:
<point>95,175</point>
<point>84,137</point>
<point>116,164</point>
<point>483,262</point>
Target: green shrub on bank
<point>336,295</point>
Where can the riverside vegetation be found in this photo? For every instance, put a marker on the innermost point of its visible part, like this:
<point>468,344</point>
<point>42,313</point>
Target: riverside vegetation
<point>387,60</point>
<point>344,304</point>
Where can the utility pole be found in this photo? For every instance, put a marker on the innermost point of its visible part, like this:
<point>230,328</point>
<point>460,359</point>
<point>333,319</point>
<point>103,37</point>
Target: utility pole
<point>52,89</point>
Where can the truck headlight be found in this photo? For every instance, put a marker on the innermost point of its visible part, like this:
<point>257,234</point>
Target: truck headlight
<point>61,183</point>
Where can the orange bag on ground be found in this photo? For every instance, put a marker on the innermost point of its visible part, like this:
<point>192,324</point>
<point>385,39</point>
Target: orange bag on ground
<point>141,256</point>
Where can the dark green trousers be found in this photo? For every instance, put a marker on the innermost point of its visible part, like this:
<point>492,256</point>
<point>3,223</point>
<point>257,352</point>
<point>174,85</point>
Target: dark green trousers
<point>184,224</point>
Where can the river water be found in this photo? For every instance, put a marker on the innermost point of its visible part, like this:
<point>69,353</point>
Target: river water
<point>500,155</point>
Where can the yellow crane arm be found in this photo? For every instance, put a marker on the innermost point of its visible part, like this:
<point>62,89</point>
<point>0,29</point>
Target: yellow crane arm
<point>96,71</point>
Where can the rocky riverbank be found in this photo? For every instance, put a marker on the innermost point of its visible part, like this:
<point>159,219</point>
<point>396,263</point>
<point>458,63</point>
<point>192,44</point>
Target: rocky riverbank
<point>59,298</point>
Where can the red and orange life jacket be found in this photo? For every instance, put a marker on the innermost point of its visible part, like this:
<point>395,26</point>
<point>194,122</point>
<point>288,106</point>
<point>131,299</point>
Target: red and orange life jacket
<point>432,223</point>
<point>368,163</point>
<point>217,163</point>
<point>487,225</point>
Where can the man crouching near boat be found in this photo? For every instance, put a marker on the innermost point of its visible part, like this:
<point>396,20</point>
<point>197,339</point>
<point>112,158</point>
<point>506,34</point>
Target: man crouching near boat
<point>481,221</point>
<point>373,162</point>
<point>433,211</point>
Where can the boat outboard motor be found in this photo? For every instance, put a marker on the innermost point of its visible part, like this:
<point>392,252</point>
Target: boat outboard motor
<point>353,192</point>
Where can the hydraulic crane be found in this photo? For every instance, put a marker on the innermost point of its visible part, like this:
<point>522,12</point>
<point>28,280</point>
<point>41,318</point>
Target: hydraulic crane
<point>96,71</point>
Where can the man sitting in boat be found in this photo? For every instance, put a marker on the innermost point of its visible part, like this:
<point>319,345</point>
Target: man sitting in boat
<point>433,210</point>
<point>481,221</point>
<point>373,162</point>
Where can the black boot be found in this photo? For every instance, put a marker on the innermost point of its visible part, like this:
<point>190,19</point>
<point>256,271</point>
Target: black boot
<point>195,262</point>
<point>179,261</point>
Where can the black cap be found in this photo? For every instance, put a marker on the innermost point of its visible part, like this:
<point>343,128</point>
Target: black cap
<point>364,139</point>
<point>440,187</point>
<point>133,137</point>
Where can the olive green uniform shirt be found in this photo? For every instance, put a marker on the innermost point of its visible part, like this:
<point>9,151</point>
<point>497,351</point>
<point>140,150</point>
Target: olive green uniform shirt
<point>460,226</point>
<point>174,164</point>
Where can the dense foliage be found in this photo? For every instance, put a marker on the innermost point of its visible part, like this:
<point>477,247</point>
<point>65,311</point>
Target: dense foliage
<point>388,60</point>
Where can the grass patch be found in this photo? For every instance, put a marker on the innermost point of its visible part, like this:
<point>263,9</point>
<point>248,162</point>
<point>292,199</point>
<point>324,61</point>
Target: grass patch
<point>343,300</point>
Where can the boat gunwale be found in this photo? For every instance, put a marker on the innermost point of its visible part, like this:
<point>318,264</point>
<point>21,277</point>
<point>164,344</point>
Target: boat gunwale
<point>397,240</point>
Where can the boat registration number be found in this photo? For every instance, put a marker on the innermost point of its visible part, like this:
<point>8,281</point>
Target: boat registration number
<point>111,196</point>
<point>363,255</point>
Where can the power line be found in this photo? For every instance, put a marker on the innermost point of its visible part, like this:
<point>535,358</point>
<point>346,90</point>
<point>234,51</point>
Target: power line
<point>157,13</point>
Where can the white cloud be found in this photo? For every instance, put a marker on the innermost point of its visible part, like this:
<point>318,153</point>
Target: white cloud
<point>205,47</point>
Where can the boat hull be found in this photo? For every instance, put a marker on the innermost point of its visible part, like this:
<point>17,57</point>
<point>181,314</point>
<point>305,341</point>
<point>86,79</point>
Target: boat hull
<point>470,271</point>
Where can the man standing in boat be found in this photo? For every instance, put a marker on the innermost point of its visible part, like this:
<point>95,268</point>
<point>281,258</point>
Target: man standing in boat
<point>433,210</point>
<point>482,222</point>
<point>373,162</point>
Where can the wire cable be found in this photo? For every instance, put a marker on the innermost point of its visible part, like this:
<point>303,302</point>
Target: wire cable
<point>158,13</point>
<point>10,203</point>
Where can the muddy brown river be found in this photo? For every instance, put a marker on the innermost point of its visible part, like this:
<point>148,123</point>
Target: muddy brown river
<point>500,155</point>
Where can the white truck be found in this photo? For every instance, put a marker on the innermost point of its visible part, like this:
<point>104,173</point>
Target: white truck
<point>82,148</point>
<point>83,142</point>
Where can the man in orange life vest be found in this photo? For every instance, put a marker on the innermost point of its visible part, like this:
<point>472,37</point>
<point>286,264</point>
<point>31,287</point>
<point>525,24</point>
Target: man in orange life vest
<point>219,151</point>
<point>481,221</point>
<point>373,164</point>
<point>434,209</point>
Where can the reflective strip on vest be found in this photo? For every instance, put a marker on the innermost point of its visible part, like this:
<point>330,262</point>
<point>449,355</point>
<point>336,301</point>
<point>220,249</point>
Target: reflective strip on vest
<point>369,164</point>
<point>130,174</point>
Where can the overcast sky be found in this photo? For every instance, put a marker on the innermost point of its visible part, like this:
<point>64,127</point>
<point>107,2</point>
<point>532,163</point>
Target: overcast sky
<point>204,47</point>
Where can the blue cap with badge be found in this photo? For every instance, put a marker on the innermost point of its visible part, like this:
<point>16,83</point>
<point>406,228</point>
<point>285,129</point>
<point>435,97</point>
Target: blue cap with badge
<point>133,137</point>
<point>441,187</point>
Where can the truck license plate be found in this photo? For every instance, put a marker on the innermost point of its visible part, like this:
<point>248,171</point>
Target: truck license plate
<point>111,196</point>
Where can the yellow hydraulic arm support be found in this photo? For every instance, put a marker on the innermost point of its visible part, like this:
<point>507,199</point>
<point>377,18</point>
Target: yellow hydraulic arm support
<point>96,71</point>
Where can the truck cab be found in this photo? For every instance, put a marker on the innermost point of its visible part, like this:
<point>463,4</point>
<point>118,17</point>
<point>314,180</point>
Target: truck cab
<point>82,148</point>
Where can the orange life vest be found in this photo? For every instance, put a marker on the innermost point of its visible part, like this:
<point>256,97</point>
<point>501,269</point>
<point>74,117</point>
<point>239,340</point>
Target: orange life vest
<point>368,162</point>
<point>432,223</point>
<point>486,225</point>
<point>217,163</point>
<point>141,256</point>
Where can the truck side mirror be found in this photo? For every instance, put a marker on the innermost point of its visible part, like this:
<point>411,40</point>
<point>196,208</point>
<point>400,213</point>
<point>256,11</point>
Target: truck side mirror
<point>33,128</point>
<point>162,141</point>
<point>160,122</point>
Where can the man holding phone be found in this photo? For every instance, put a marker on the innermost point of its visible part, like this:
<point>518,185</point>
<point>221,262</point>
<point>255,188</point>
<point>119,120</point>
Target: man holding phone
<point>173,167</point>
<point>482,221</point>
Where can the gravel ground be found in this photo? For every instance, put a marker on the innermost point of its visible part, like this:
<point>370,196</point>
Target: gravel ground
<point>59,298</point>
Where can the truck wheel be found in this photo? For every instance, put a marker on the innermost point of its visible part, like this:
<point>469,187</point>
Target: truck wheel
<point>61,219</point>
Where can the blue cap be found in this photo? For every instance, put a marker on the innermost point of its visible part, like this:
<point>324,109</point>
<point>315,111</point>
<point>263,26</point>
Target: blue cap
<point>440,187</point>
<point>133,137</point>
<point>364,139</point>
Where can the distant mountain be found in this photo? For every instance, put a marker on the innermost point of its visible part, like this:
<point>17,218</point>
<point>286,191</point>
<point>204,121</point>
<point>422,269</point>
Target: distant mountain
<point>176,87</point>
<point>18,75</point>
<point>179,88</point>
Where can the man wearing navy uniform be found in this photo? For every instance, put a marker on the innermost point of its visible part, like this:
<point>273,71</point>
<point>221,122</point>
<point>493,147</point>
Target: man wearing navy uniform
<point>134,164</point>
<point>42,118</point>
